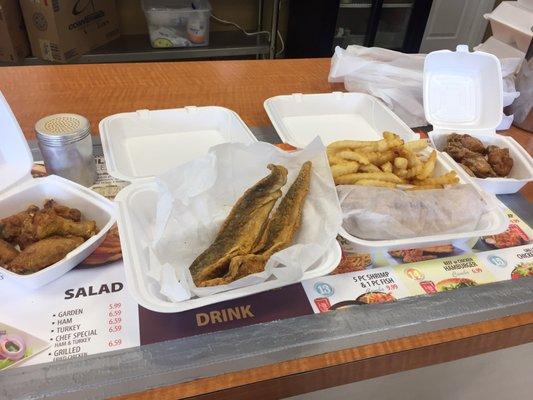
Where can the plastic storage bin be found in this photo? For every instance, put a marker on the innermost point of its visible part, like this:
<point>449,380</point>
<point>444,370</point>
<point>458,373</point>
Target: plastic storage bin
<point>18,190</point>
<point>177,23</point>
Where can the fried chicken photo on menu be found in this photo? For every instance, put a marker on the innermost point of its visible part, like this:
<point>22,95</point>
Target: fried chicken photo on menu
<point>43,253</point>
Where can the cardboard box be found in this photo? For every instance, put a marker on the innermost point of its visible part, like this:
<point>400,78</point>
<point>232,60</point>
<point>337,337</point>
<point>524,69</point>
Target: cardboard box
<point>61,30</point>
<point>14,45</point>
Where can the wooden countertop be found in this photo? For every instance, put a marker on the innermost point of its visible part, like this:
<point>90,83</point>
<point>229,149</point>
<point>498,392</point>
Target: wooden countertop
<point>97,91</point>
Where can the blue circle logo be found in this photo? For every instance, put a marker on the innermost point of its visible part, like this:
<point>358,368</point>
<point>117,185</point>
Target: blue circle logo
<point>323,289</point>
<point>498,261</point>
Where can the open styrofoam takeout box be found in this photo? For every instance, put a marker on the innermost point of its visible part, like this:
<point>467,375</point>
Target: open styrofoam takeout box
<point>139,145</point>
<point>18,190</point>
<point>299,118</point>
<point>511,22</point>
<point>463,94</point>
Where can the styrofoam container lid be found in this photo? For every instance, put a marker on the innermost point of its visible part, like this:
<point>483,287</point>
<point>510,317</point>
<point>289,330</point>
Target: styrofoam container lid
<point>499,49</point>
<point>145,143</point>
<point>15,155</point>
<point>463,90</point>
<point>299,118</point>
<point>516,16</point>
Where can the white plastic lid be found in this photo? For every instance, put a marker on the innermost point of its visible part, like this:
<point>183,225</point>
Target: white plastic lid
<point>146,143</point>
<point>15,155</point>
<point>463,90</point>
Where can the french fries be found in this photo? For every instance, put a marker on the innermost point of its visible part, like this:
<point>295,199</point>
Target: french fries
<point>344,169</point>
<point>388,162</point>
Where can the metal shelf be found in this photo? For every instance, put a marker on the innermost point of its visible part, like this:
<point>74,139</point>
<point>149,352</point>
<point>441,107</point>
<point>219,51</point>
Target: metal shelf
<point>131,48</point>
<point>369,5</point>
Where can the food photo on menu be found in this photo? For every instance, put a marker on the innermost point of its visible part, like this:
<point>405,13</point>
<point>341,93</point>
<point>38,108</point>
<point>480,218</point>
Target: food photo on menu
<point>153,207</point>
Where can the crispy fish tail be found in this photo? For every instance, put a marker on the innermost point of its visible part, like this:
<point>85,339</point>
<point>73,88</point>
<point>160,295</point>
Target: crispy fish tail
<point>242,228</point>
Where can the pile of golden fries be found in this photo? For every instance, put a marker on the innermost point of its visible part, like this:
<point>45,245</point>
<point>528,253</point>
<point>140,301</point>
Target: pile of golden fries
<point>386,163</point>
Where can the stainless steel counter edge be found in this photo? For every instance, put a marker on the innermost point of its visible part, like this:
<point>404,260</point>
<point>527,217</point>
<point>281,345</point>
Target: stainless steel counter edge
<point>167,363</point>
<point>172,362</point>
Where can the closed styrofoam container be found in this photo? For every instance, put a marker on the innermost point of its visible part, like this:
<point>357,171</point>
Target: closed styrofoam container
<point>492,222</point>
<point>511,23</point>
<point>130,142</point>
<point>299,118</point>
<point>463,94</point>
<point>18,190</point>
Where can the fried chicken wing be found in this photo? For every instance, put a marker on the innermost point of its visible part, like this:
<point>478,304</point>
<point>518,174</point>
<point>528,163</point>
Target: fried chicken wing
<point>478,165</point>
<point>477,160</point>
<point>34,224</point>
<point>500,160</point>
<point>43,253</point>
<point>473,144</point>
<point>47,223</point>
<point>63,211</point>
<point>13,226</point>
<point>7,252</point>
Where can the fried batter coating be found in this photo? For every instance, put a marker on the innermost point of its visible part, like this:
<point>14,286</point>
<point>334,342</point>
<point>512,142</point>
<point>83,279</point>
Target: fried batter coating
<point>7,252</point>
<point>500,160</point>
<point>63,211</point>
<point>278,234</point>
<point>242,228</point>
<point>43,253</point>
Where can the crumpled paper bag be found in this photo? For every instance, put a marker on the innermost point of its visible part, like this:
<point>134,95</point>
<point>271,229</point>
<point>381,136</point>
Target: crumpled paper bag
<point>195,198</point>
<point>375,213</point>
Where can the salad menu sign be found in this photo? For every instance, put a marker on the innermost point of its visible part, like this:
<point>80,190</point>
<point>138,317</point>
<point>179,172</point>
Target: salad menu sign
<point>89,310</point>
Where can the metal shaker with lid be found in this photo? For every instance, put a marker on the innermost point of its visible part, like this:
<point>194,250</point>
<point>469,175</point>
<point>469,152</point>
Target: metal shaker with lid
<point>66,146</point>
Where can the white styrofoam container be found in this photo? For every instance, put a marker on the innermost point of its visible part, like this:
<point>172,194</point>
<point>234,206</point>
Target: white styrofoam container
<point>130,142</point>
<point>492,222</point>
<point>463,94</point>
<point>147,142</point>
<point>18,190</point>
<point>299,118</point>
<point>511,23</point>
<point>137,213</point>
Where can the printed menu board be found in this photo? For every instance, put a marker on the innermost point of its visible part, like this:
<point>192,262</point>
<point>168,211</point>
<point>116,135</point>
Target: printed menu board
<point>87,311</point>
<point>444,274</point>
<point>356,288</point>
<point>512,263</point>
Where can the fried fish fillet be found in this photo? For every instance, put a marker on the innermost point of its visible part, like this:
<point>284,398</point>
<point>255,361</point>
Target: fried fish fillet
<point>43,253</point>
<point>242,228</point>
<point>278,235</point>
